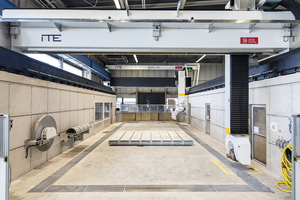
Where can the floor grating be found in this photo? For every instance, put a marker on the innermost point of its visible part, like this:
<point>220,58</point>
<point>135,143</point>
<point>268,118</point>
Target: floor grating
<point>149,188</point>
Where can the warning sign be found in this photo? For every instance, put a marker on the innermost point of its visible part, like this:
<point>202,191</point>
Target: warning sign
<point>249,40</point>
<point>273,126</point>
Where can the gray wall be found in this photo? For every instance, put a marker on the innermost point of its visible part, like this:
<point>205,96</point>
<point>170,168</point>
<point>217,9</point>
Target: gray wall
<point>27,99</point>
<point>280,95</point>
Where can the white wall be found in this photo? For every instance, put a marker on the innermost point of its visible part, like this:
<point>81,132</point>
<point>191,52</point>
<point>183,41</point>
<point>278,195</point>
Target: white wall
<point>27,99</point>
<point>280,95</point>
<point>217,111</point>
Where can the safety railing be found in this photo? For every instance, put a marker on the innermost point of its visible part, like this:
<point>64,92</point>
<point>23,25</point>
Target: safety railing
<point>144,112</point>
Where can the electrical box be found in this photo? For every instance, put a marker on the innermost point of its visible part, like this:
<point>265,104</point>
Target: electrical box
<point>4,156</point>
<point>14,30</point>
<point>286,33</point>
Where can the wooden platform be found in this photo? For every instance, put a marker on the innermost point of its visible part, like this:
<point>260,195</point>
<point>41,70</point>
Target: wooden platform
<point>150,138</point>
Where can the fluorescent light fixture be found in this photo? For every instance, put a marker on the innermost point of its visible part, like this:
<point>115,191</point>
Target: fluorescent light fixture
<point>118,6</point>
<point>200,58</point>
<point>266,58</point>
<point>136,60</point>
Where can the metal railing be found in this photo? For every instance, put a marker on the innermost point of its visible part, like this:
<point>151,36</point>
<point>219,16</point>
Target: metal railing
<point>144,112</point>
<point>144,108</point>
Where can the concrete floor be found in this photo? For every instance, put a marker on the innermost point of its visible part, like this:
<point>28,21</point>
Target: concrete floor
<point>119,168</point>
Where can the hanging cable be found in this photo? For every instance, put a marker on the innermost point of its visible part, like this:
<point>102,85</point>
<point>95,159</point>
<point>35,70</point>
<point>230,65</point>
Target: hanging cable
<point>286,168</point>
<point>27,150</point>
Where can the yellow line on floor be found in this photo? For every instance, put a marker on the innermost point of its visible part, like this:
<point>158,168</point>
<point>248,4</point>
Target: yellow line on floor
<point>222,168</point>
<point>257,171</point>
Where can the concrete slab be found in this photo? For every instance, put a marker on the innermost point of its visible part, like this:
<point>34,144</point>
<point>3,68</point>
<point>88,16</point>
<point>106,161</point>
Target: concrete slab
<point>149,138</point>
<point>174,136</point>
<point>156,136</point>
<point>136,136</point>
<point>146,136</point>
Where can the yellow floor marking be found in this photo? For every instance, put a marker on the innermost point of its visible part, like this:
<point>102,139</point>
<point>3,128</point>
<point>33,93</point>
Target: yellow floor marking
<point>169,124</point>
<point>257,171</point>
<point>222,168</point>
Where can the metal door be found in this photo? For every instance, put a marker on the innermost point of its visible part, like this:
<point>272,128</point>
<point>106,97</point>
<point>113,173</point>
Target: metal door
<point>258,137</point>
<point>207,119</point>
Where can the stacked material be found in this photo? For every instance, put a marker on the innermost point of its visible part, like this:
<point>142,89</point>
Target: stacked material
<point>150,138</point>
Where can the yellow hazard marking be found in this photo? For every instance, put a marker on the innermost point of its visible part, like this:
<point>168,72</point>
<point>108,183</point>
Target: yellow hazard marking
<point>181,94</point>
<point>222,168</point>
<point>5,159</point>
<point>257,171</point>
<point>169,124</point>
<point>227,130</point>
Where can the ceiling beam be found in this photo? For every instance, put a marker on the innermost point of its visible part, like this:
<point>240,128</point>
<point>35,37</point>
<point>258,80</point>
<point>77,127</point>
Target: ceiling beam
<point>50,3</point>
<point>88,3</point>
<point>122,3</point>
<point>127,7</point>
<point>182,4</point>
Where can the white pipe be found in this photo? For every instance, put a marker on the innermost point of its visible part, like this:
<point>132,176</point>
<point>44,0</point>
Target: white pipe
<point>198,74</point>
<point>181,94</point>
<point>194,81</point>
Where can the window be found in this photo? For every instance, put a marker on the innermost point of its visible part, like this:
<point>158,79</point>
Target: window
<point>45,58</point>
<point>98,112</point>
<point>129,100</point>
<point>106,110</point>
<point>71,69</point>
<point>56,63</point>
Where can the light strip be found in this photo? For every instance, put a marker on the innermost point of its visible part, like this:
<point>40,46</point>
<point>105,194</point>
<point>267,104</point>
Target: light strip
<point>136,60</point>
<point>267,57</point>
<point>200,58</point>
<point>117,3</point>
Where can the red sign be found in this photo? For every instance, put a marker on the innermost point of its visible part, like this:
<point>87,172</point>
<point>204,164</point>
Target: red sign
<point>249,40</point>
<point>178,67</point>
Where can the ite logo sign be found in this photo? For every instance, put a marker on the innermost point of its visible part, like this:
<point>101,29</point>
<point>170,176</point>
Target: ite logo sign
<point>51,38</point>
<point>249,40</point>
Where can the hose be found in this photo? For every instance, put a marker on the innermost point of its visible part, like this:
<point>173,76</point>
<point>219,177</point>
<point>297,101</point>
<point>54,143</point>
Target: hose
<point>286,169</point>
<point>27,150</point>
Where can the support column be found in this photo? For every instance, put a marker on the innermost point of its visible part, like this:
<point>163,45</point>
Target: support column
<point>236,107</point>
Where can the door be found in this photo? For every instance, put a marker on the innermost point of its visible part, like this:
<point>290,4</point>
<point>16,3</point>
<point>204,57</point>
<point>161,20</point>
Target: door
<point>111,113</point>
<point>259,137</point>
<point>207,119</point>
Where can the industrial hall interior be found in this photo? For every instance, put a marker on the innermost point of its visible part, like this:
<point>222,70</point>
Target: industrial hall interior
<point>149,99</point>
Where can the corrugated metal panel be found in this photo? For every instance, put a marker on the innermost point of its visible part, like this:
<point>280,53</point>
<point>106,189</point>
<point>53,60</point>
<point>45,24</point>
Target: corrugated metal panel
<point>239,94</point>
